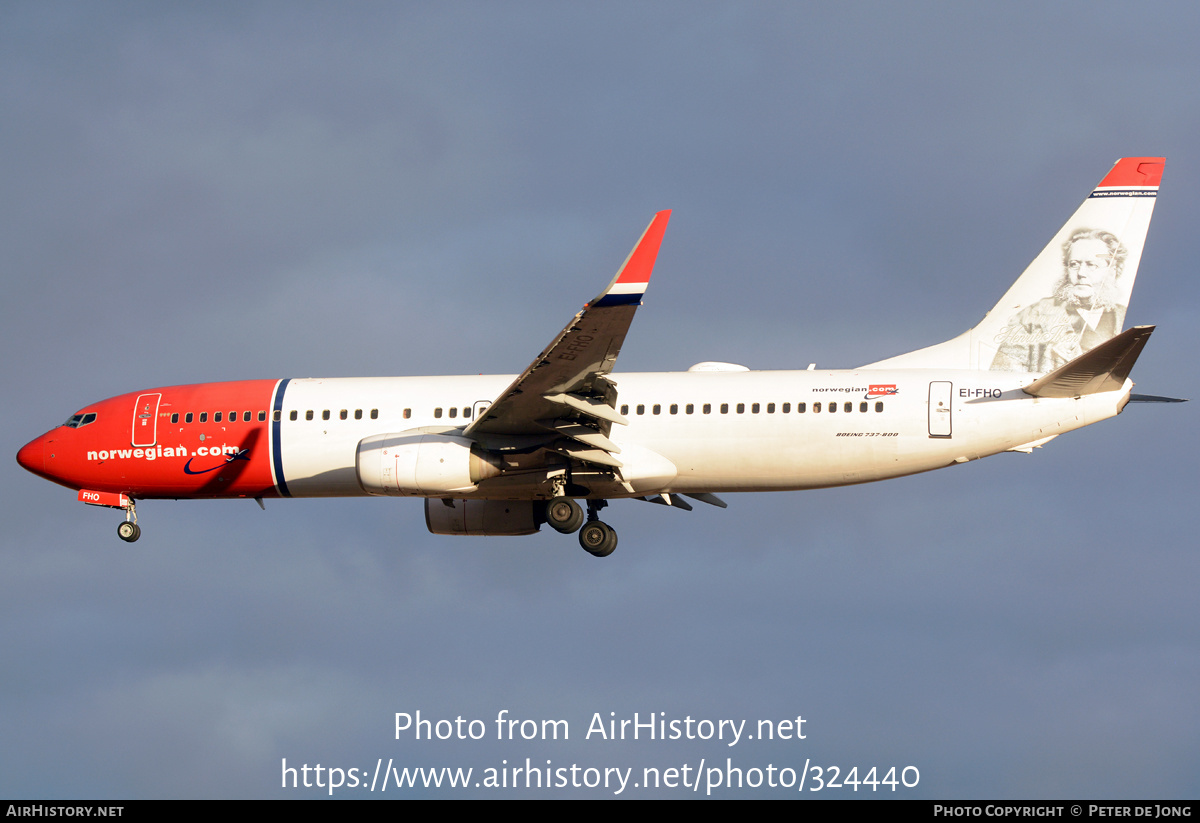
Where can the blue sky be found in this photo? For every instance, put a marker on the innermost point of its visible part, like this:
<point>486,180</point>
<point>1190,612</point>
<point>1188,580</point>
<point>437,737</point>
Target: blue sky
<point>233,191</point>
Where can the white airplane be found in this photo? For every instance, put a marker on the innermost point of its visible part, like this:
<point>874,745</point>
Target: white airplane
<point>501,455</point>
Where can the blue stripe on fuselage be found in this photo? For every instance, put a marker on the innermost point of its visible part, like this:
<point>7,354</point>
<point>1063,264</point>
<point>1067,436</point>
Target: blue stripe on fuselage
<point>276,442</point>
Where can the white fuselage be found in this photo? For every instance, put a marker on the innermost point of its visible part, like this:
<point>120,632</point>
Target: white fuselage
<point>718,431</point>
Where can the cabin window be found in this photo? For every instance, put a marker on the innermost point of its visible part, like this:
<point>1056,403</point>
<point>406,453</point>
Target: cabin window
<point>187,418</point>
<point>832,408</point>
<point>625,409</point>
<point>308,415</point>
<point>706,408</point>
<point>657,408</point>
<point>848,407</point>
<point>741,408</point>
<point>276,416</point>
<point>467,412</point>
<point>862,407</point>
<point>879,406</point>
<point>770,408</point>
<point>724,408</point>
<point>816,407</point>
<point>343,414</point>
<point>358,414</point>
<point>217,417</point>
<point>203,417</point>
<point>803,407</point>
<point>262,417</point>
<point>246,416</point>
<point>437,412</point>
<point>233,416</point>
<point>754,408</point>
<point>375,413</point>
<point>293,415</point>
<point>689,408</point>
<point>325,414</point>
<point>785,408</point>
<point>641,409</point>
<point>454,411</point>
<point>674,408</point>
<point>175,417</point>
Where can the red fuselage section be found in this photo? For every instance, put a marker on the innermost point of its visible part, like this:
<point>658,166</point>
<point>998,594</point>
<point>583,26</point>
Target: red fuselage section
<point>208,440</point>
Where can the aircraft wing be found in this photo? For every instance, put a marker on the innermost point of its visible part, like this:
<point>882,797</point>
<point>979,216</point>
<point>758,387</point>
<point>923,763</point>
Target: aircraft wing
<point>565,391</point>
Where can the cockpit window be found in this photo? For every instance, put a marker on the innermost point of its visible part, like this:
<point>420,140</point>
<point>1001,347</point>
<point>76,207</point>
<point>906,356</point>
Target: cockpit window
<point>81,419</point>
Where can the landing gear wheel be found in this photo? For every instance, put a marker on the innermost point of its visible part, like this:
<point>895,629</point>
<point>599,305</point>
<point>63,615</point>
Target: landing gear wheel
<point>598,539</point>
<point>564,515</point>
<point>129,531</point>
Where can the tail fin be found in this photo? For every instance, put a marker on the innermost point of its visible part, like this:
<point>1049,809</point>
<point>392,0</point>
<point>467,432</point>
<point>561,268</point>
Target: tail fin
<point>1074,294</point>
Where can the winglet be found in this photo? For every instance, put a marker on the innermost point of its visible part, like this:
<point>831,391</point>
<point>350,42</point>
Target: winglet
<point>634,275</point>
<point>1104,368</point>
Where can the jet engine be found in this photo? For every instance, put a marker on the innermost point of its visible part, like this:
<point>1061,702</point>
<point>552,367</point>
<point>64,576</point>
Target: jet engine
<point>419,463</point>
<point>485,517</point>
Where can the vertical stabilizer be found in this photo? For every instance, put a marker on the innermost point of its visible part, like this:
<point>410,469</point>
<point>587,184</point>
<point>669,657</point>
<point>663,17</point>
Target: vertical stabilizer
<point>1073,296</point>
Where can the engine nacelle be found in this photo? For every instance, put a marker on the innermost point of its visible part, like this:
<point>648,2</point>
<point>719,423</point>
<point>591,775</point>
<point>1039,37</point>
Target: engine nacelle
<point>484,517</point>
<point>419,463</point>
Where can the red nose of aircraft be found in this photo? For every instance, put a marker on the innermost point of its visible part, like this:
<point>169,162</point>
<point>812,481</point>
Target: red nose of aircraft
<point>32,456</point>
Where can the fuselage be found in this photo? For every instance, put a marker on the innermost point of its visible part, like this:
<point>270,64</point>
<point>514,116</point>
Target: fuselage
<point>688,431</point>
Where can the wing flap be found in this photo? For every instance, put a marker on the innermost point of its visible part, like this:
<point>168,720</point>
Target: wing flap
<point>597,456</point>
<point>584,434</point>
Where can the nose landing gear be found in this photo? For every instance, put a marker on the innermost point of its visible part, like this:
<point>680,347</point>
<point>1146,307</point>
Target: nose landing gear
<point>129,531</point>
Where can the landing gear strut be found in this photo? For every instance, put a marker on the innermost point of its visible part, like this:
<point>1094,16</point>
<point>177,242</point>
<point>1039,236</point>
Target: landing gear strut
<point>597,539</point>
<point>129,531</point>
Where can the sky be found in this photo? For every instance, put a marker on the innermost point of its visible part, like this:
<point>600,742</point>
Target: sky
<point>223,191</point>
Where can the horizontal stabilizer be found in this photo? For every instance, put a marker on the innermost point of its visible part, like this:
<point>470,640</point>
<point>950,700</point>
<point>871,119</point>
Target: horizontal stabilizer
<point>1104,368</point>
<point>710,499</point>
<point>666,499</point>
<point>1154,398</point>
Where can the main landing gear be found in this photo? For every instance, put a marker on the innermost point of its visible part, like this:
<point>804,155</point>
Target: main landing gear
<point>129,531</point>
<point>598,539</point>
<point>564,515</point>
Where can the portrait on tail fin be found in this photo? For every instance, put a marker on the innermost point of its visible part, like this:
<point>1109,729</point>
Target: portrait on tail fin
<point>1087,308</point>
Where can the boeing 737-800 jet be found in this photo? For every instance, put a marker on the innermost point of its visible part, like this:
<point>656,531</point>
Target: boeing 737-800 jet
<point>502,455</point>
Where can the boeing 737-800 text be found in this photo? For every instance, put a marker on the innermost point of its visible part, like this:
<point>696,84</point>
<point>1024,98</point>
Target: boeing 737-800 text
<point>502,455</point>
